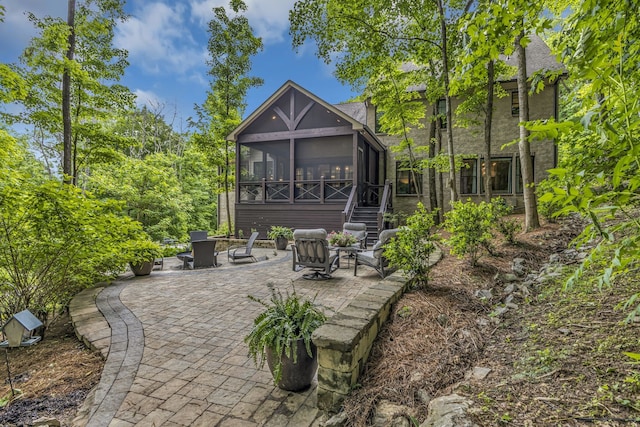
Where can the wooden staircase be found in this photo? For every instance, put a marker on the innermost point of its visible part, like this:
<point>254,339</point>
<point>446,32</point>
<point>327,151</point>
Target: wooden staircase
<point>368,215</point>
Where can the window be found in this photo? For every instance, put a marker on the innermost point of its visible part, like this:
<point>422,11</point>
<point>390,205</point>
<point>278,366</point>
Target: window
<point>469,177</point>
<point>500,169</point>
<point>404,179</point>
<point>519,186</point>
<point>515,104</point>
<point>442,113</point>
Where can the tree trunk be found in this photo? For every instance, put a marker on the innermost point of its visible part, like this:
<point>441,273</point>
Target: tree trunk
<point>440,178</point>
<point>487,131</point>
<point>226,187</point>
<point>526,165</point>
<point>431,171</point>
<point>67,166</point>
<point>453,187</point>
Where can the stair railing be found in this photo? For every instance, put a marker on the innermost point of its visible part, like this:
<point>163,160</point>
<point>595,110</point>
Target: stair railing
<point>385,205</point>
<point>350,206</point>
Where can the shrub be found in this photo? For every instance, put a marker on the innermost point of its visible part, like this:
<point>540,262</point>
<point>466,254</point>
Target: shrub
<point>413,245</point>
<point>470,227</point>
<point>506,226</point>
<point>280,231</point>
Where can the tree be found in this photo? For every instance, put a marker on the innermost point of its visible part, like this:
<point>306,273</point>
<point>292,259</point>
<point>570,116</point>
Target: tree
<point>363,38</point>
<point>76,55</point>
<point>231,45</point>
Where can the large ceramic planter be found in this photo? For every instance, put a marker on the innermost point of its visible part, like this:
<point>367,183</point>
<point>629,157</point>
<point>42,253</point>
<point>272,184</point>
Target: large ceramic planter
<point>296,376</point>
<point>281,243</point>
<point>142,269</point>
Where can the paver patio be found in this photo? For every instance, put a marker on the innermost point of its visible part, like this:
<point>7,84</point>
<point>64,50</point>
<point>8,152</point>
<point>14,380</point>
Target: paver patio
<point>177,356</point>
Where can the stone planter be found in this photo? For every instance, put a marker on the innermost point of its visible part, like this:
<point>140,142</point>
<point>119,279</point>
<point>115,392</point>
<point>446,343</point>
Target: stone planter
<point>296,376</point>
<point>142,269</point>
<point>281,243</point>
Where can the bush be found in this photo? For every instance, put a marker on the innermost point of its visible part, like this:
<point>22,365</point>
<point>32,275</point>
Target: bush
<point>470,227</point>
<point>57,241</point>
<point>413,245</point>
<point>507,227</point>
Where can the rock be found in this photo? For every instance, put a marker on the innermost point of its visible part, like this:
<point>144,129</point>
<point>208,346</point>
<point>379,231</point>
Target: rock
<point>390,414</point>
<point>509,289</point>
<point>423,396</point>
<point>554,258</point>
<point>510,277</point>
<point>443,320</point>
<point>477,373</point>
<point>511,305</point>
<point>337,420</point>
<point>448,411</point>
<point>499,311</point>
<point>518,267</point>
<point>416,377</point>
<point>484,294</point>
<point>47,421</point>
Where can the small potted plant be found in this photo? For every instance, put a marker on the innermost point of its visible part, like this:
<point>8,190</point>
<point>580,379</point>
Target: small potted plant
<point>281,235</point>
<point>142,254</point>
<point>342,239</point>
<point>281,336</point>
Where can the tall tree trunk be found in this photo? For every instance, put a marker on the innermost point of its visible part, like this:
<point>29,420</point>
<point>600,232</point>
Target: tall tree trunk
<point>487,131</point>
<point>226,186</point>
<point>67,164</point>
<point>453,187</point>
<point>526,165</point>
<point>440,177</point>
<point>431,170</point>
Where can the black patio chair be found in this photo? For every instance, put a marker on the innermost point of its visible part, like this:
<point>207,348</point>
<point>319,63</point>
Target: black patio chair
<point>311,250</point>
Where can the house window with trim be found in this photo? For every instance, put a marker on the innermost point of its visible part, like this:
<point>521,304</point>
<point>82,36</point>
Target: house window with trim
<point>519,185</point>
<point>469,177</point>
<point>515,104</point>
<point>442,113</point>
<point>404,180</point>
<point>500,169</point>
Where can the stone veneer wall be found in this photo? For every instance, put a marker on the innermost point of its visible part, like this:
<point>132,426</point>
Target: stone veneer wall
<point>344,342</point>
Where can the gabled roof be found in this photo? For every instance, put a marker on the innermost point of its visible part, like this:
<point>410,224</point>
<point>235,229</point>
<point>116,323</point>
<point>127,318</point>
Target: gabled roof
<point>355,124</point>
<point>538,55</point>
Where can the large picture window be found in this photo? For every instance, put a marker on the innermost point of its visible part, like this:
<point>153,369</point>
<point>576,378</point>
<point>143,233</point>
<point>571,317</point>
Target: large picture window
<point>404,180</point>
<point>515,104</point>
<point>442,112</point>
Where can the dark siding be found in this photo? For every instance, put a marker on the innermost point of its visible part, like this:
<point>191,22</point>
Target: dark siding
<point>262,217</point>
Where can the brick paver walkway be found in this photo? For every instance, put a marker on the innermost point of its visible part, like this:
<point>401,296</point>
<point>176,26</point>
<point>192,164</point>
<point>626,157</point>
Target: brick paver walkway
<point>177,356</point>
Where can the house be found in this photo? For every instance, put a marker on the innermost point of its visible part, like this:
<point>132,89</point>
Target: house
<point>304,163</point>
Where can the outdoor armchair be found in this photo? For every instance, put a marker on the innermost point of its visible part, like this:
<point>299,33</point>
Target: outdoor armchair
<point>311,249</point>
<point>375,257</point>
<point>357,230</point>
<point>204,254</point>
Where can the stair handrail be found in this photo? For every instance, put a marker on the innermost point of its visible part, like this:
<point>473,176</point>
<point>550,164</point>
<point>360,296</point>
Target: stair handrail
<point>385,202</point>
<point>350,205</point>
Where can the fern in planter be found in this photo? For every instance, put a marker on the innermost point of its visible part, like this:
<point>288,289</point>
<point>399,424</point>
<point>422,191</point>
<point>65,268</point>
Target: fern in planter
<point>284,322</point>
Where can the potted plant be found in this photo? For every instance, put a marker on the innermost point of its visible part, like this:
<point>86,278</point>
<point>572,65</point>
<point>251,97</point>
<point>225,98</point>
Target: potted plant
<point>342,239</point>
<point>142,254</point>
<point>281,336</point>
<point>281,235</point>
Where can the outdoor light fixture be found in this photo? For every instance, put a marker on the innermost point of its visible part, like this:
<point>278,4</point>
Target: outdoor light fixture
<point>19,329</point>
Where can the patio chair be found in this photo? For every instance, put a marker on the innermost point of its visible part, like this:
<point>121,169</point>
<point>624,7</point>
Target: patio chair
<point>204,254</point>
<point>358,230</point>
<point>375,257</point>
<point>311,249</point>
<point>187,255</point>
<point>235,253</point>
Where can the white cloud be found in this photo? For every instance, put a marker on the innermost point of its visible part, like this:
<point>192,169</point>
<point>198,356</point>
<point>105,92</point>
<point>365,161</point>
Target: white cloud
<point>269,19</point>
<point>148,98</point>
<point>158,39</point>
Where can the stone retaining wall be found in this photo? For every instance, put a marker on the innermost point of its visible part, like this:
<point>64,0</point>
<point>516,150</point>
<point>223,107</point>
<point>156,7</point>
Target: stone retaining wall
<point>344,342</point>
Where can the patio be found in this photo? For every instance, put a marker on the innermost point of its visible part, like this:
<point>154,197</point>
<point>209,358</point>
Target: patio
<point>176,354</point>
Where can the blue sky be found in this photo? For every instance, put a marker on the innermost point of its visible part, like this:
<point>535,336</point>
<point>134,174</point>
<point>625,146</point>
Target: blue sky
<point>167,45</point>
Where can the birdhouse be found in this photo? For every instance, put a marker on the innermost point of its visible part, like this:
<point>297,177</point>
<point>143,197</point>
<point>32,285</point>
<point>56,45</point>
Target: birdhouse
<point>19,330</point>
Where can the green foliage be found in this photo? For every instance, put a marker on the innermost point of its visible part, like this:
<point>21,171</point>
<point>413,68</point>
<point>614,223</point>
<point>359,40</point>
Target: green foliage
<point>470,226</point>
<point>413,245</point>
<point>280,231</point>
<point>508,227</point>
<point>94,72</point>
<point>55,242</point>
<point>284,321</point>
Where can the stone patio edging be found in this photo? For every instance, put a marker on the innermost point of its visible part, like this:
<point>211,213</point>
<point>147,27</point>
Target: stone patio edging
<point>344,342</point>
